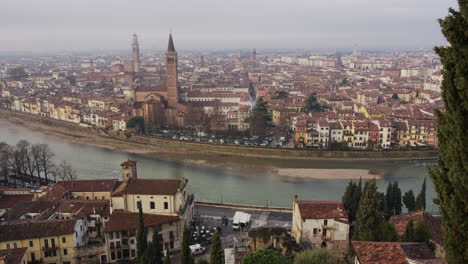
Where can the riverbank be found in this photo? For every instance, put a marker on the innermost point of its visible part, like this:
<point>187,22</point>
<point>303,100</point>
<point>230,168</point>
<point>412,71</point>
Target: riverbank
<point>201,155</point>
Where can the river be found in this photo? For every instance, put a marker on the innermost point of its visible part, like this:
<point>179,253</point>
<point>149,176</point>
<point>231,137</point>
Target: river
<point>226,184</point>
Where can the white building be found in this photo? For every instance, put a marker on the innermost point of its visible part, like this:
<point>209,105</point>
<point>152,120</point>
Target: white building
<point>321,224</point>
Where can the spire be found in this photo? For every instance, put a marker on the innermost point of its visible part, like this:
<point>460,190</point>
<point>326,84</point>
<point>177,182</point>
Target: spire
<point>170,45</point>
<point>134,39</point>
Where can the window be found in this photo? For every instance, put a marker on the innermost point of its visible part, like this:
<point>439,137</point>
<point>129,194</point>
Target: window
<point>46,243</point>
<point>52,242</point>
<point>15,245</point>
<point>132,253</point>
<point>31,244</point>
<point>95,197</point>
<point>119,254</point>
<point>8,246</point>
<point>65,252</point>
<point>166,205</point>
<point>33,257</point>
<point>315,231</point>
<point>87,197</point>
<point>113,255</point>
<point>152,205</point>
<point>64,240</point>
<point>103,198</point>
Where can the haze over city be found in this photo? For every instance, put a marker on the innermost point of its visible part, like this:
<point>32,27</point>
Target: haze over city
<point>49,25</point>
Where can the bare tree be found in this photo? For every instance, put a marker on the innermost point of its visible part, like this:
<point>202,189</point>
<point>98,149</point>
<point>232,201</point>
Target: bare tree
<point>22,149</point>
<point>5,154</point>
<point>65,171</point>
<point>36,157</point>
<point>45,159</point>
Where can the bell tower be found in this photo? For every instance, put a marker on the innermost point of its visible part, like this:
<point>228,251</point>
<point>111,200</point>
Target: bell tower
<point>135,53</point>
<point>171,73</point>
<point>129,170</point>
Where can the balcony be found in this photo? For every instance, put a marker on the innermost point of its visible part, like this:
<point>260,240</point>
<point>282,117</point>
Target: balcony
<point>45,249</point>
<point>327,227</point>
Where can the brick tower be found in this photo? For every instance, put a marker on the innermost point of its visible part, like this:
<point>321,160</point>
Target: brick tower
<point>135,53</point>
<point>171,73</point>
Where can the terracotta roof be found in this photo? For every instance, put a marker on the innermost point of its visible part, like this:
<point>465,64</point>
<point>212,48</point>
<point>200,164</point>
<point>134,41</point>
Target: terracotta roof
<point>8,201</point>
<point>321,209</point>
<point>35,229</point>
<point>120,220</point>
<point>149,186</point>
<point>105,185</point>
<point>23,208</point>
<point>433,223</point>
<point>12,256</point>
<point>128,163</point>
<point>392,252</point>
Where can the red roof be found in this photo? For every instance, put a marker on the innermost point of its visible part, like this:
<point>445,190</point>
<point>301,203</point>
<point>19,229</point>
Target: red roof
<point>8,201</point>
<point>106,185</point>
<point>321,209</point>
<point>120,220</point>
<point>392,252</point>
<point>36,229</point>
<point>433,223</point>
<point>12,256</point>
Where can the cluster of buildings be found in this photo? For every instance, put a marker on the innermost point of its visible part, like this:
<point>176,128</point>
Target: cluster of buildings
<point>372,100</point>
<point>93,221</point>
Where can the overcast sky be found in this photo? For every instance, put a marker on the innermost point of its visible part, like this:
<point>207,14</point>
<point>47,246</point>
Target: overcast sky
<point>45,25</point>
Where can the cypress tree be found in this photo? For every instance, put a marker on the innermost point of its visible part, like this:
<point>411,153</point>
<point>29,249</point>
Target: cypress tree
<point>348,200</point>
<point>397,205</point>
<point>388,233</point>
<point>421,198</point>
<point>186,254</point>
<point>153,252</point>
<point>450,176</point>
<point>409,201</point>
<point>141,237</point>
<point>369,216</point>
<point>389,207</point>
<point>409,232</point>
<point>217,252</point>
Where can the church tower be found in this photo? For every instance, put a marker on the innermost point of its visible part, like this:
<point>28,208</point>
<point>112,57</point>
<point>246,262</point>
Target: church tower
<point>254,55</point>
<point>171,73</point>
<point>135,53</point>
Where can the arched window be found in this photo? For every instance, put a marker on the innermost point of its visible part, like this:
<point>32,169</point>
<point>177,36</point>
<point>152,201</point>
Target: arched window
<point>152,205</point>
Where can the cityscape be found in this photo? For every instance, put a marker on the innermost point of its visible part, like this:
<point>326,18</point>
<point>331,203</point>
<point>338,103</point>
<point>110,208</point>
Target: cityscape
<point>273,153</point>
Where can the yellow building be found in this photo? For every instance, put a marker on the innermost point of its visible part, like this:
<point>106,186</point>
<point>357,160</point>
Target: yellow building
<point>47,241</point>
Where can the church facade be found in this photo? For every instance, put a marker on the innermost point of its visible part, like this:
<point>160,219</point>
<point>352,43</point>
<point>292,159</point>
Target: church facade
<point>160,104</point>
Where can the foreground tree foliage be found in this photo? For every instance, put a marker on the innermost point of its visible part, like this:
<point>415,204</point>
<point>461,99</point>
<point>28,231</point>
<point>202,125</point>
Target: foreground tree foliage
<point>186,254</point>
<point>409,200</point>
<point>450,176</point>
<point>312,104</point>
<point>351,199</point>
<point>266,256</point>
<point>369,215</point>
<point>153,254</point>
<point>216,252</point>
<point>317,256</point>
<point>141,236</point>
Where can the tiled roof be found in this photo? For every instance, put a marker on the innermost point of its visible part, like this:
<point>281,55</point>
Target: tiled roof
<point>35,229</point>
<point>23,208</point>
<point>8,201</point>
<point>120,220</point>
<point>106,185</point>
<point>321,209</point>
<point>392,252</point>
<point>149,186</point>
<point>434,224</point>
<point>12,256</point>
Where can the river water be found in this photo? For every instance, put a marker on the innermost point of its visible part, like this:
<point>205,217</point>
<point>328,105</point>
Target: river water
<point>257,187</point>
